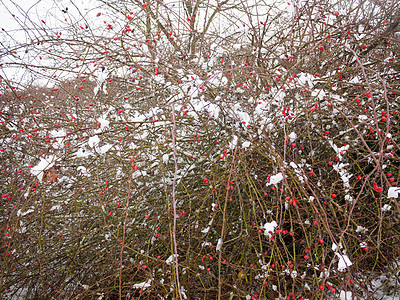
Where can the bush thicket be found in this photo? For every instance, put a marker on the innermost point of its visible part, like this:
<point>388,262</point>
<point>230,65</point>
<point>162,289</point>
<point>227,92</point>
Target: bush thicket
<point>201,150</point>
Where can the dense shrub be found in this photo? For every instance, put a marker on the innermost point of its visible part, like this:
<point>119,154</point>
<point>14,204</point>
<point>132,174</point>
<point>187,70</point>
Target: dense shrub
<point>201,150</point>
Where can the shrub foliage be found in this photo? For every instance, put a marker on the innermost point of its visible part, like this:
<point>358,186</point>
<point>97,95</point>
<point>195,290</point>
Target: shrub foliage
<point>234,149</point>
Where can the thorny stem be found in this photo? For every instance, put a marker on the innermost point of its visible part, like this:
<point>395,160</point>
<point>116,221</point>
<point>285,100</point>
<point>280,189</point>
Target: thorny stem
<point>123,233</point>
<point>224,222</point>
<point>283,171</point>
<point>174,202</point>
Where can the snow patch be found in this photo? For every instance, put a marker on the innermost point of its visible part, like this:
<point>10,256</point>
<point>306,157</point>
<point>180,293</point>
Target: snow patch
<point>362,118</point>
<point>93,141</point>
<point>44,164</point>
<point>219,244</point>
<point>270,228</point>
<point>83,171</point>
<point>393,192</point>
<point>386,207</point>
<point>232,144</point>
<point>143,285</point>
<point>205,230</point>
<point>21,214</point>
<point>103,124</point>
<point>246,144</point>
<point>292,136</point>
<point>344,260</point>
<point>274,179</point>
<point>171,258</point>
<point>346,295</point>
<point>165,158</point>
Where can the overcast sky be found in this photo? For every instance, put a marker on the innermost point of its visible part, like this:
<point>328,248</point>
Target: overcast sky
<point>28,14</point>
